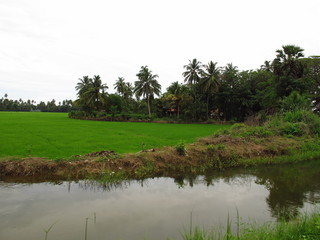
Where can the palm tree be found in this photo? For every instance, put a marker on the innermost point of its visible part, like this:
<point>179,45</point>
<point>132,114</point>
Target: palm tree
<point>209,82</point>
<point>83,84</point>
<point>178,93</point>
<point>147,85</point>
<point>289,70</point>
<point>127,91</point>
<point>230,75</point>
<point>193,72</point>
<point>92,92</point>
<point>120,86</point>
<point>286,63</point>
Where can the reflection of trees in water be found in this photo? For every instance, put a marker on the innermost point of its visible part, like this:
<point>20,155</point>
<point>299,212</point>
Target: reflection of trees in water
<point>230,177</point>
<point>96,186</point>
<point>289,186</point>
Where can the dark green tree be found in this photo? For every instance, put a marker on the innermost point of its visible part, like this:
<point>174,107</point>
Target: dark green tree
<point>289,71</point>
<point>177,95</point>
<point>209,82</point>
<point>120,86</point>
<point>193,72</point>
<point>91,93</point>
<point>147,85</point>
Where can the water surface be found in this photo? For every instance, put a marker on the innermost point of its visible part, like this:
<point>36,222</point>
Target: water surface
<point>155,208</point>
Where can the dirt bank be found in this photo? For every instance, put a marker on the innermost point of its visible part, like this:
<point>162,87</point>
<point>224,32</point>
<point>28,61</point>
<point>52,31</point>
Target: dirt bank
<point>204,155</point>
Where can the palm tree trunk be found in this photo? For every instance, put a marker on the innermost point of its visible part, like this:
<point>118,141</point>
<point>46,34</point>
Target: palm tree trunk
<point>208,106</point>
<point>178,111</point>
<point>149,106</point>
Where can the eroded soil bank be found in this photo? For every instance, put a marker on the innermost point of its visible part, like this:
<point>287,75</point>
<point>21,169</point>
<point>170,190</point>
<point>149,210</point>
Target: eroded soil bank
<point>206,154</point>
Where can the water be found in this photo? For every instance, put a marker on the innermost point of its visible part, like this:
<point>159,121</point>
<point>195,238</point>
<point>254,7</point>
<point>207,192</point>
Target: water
<point>155,208</point>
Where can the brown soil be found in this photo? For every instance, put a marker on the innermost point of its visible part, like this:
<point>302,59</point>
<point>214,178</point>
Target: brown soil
<point>206,154</point>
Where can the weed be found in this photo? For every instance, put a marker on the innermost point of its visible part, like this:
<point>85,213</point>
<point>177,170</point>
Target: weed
<point>109,176</point>
<point>145,170</point>
<point>214,148</point>
<point>181,148</point>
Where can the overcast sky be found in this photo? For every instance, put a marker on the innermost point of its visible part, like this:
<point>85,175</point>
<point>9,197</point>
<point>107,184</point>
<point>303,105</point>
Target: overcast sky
<point>47,45</point>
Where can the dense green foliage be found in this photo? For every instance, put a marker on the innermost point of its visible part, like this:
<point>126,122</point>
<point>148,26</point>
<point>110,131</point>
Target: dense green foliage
<point>291,123</point>
<point>54,135</point>
<point>221,93</point>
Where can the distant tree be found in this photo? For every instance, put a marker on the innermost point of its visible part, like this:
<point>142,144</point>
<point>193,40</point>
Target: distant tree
<point>193,72</point>
<point>120,86</point>
<point>289,71</point>
<point>286,63</point>
<point>114,104</point>
<point>92,93</point>
<point>209,82</point>
<point>147,85</point>
<point>177,95</point>
<point>83,85</point>
<point>128,91</point>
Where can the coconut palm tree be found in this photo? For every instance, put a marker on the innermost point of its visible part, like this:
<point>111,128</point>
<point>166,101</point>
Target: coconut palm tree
<point>83,84</point>
<point>92,92</point>
<point>178,93</point>
<point>120,86</point>
<point>209,82</point>
<point>192,75</point>
<point>147,85</point>
<point>127,91</point>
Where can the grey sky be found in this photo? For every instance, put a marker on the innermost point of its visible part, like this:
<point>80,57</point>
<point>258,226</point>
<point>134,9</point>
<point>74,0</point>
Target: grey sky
<point>46,45</point>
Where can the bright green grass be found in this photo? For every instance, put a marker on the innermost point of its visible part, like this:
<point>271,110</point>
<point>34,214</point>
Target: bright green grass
<point>54,135</point>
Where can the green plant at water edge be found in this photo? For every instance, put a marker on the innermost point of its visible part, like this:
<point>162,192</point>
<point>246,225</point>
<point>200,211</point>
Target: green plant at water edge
<point>145,170</point>
<point>181,148</point>
<point>109,176</point>
<point>304,227</point>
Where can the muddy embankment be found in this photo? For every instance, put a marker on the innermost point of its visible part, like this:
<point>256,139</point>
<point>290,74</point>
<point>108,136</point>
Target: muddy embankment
<point>206,154</point>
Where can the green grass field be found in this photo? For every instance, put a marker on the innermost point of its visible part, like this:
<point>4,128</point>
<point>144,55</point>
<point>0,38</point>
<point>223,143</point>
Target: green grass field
<point>54,135</point>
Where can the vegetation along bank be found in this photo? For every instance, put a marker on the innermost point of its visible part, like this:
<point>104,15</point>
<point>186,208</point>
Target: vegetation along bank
<point>285,138</point>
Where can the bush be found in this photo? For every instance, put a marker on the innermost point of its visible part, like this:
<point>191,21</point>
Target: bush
<point>293,129</point>
<point>292,123</point>
<point>295,102</point>
<point>181,148</point>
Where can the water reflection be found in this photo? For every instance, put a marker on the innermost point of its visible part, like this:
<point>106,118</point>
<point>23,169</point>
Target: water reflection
<point>156,208</point>
<point>289,186</point>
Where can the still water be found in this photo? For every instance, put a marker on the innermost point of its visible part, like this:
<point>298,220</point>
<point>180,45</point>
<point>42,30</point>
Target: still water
<point>155,208</point>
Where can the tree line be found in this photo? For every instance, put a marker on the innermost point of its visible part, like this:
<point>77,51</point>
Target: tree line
<point>210,91</point>
<point>7,104</point>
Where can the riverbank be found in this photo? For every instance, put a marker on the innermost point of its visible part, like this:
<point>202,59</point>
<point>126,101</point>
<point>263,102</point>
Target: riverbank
<point>215,152</point>
<point>288,138</point>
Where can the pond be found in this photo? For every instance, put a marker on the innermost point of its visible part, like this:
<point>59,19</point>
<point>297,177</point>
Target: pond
<point>156,208</point>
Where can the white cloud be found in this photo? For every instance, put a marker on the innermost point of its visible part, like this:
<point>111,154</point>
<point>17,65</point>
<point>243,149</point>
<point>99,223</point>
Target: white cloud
<point>56,42</point>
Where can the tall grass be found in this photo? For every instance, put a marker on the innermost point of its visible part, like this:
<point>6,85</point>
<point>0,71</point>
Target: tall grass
<point>304,227</point>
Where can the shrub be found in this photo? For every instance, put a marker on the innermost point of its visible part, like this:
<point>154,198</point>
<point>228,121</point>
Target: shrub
<point>295,102</point>
<point>181,148</point>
